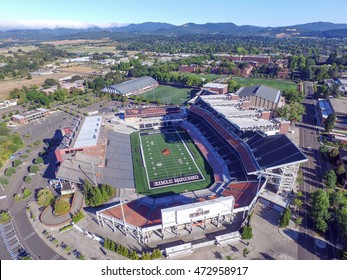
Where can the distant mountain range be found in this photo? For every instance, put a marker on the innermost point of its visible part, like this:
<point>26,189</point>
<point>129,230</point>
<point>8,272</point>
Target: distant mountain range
<point>314,29</point>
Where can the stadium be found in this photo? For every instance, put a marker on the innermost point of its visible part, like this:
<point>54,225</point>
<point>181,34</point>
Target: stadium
<point>177,169</point>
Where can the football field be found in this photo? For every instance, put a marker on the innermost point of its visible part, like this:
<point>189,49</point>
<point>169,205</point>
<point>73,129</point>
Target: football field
<point>167,159</point>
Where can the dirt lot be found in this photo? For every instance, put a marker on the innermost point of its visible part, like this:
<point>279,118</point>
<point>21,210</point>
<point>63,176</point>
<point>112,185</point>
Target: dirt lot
<point>7,86</point>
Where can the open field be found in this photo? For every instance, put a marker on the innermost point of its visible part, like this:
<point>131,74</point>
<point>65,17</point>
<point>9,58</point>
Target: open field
<point>169,94</point>
<point>74,42</point>
<point>158,173</point>
<point>4,51</point>
<point>7,86</point>
<point>279,84</point>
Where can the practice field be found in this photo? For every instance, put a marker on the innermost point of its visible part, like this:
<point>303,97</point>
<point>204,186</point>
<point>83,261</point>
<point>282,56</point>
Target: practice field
<point>279,84</point>
<point>169,94</point>
<point>168,161</point>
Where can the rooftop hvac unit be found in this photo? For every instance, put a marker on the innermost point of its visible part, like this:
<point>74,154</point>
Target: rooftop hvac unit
<point>94,136</point>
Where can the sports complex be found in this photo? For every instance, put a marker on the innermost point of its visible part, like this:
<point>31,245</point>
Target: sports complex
<point>177,169</point>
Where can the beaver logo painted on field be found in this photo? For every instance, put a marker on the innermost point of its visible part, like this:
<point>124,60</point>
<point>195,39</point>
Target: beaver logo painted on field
<point>166,152</point>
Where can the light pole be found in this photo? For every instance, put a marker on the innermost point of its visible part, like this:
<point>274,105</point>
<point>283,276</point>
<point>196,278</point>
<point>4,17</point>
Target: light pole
<point>124,222</point>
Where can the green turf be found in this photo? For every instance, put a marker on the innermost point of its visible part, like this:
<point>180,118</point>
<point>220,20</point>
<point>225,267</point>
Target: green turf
<point>178,163</point>
<point>172,165</point>
<point>169,94</point>
<point>279,84</point>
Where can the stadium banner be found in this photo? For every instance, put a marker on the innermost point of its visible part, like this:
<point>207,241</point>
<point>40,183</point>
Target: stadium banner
<point>198,211</point>
<point>175,181</point>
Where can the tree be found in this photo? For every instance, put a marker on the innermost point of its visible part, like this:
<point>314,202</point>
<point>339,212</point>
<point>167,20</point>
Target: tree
<point>330,122</point>
<point>285,218</point>
<point>298,221</point>
<point>133,255</point>
<point>10,171</point>
<point>320,210</point>
<point>3,181</point>
<point>34,169</point>
<point>245,252</point>
<point>50,82</point>
<point>292,111</point>
<point>16,163</point>
<point>335,199</point>
<point>247,232</point>
<point>146,256</point>
<point>340,170</point>
<point>330,179</point>
<point>341,217</point>
<point>38,160</point>
<point>27,179</point>
<point>292,95</point>
<point>298,203</point>
<point>233,86</point>
<point>156,254</point>
<point>45,197</point>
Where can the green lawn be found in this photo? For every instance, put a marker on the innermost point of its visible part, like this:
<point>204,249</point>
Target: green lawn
<point>208,77</point>
<point>169,94</point>
<point>184,160</point>
<point>279,84</point>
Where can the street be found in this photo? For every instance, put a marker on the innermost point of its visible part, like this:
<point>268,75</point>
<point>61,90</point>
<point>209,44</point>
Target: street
<point>313,172</point>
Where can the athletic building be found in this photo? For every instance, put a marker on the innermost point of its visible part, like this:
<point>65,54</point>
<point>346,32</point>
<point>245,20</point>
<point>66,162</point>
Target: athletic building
<point>132,87</point>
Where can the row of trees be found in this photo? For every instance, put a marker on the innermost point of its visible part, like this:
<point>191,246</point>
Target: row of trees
<point>133,255</point>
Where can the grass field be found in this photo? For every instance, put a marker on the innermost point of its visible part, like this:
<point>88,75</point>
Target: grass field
<point>169,94</point>
<point>279,84</point>
<point>184,160</point>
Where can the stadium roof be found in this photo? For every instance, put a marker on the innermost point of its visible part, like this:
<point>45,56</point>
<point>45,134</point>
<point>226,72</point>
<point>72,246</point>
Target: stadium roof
<point>118,170</point>
<point>131,86</point>
<point>265,92</point>
<point>89,132</point>
<point>272,151</point>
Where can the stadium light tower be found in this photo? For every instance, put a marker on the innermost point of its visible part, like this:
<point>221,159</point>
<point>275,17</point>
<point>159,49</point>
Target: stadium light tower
<point>92,164</point>
<point>123,216</point>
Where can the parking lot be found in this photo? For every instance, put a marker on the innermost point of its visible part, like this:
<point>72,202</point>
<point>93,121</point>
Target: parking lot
<point>13,246</point>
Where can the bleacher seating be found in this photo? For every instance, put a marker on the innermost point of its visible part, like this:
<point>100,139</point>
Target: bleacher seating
<point>221,146</point>
<point>239,145</point>
<point>220,170</point>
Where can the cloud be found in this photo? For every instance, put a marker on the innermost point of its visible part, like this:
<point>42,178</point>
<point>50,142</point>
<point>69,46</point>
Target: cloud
<point>52,24</point>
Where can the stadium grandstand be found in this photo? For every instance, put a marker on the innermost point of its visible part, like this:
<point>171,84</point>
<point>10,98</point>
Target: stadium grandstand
<point>132,87</point>
<point>247,152</point>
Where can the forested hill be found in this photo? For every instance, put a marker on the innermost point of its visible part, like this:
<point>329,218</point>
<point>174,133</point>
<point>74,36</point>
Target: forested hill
<point>315,29</point>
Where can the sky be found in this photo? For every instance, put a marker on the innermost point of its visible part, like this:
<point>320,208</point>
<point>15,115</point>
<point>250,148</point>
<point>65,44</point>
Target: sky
<point>106,13</point>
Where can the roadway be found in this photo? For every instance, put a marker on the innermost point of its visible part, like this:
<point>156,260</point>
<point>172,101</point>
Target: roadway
<point>313,170</point>
<point>28,238</point>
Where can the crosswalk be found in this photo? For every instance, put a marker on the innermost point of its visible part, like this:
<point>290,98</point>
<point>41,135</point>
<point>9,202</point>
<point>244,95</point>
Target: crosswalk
<point>29,235</point>
<point>55,257</point>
